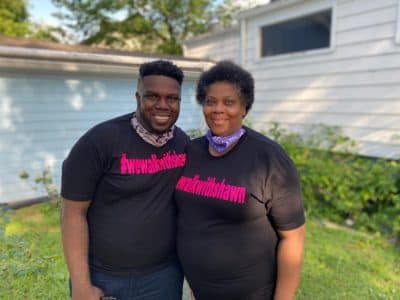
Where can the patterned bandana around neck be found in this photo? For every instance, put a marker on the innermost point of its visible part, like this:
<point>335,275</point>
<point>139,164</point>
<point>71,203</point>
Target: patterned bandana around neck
<point>157,140</point>
<point>221,143</point>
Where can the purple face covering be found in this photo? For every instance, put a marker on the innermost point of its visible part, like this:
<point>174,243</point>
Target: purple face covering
<point>221,143</point>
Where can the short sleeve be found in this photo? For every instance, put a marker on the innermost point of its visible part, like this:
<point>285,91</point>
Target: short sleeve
<point>286,210</point>
<point>81,170</point>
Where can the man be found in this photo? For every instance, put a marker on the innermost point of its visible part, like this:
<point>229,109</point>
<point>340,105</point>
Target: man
<point>118,219</point>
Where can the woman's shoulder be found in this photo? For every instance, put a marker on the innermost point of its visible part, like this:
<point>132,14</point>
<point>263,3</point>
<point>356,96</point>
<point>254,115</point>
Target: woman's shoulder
<point>263,144</point>
<point>197,145</point>
<point>261,140</point>
<point>270,150</point>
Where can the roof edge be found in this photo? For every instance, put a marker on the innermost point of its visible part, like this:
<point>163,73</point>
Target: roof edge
<point>265,8</point>
<point>212,34</point>
<point>31,50</point>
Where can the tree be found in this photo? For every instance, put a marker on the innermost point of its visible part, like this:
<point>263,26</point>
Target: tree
<point>43,32</point>
<point>151,25</point>
<point>14,22</point>
<point>225,13</point>
<point>14,18</point>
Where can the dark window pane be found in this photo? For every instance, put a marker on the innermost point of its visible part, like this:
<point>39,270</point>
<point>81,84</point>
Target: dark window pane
<point>305,33</point>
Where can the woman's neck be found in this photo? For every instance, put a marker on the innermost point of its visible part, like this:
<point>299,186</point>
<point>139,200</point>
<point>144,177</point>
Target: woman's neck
<point>214,153</point>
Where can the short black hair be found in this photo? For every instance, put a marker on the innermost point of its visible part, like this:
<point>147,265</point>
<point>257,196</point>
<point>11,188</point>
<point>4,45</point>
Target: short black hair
<point>227,71</point>
<point>161,67</point>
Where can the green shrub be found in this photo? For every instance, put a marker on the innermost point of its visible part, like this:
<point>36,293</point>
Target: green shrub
<point>195,133</point>
<point>341,186</point>
<point>44,181</point>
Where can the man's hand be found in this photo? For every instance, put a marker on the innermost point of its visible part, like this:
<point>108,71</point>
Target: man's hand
<point>192,295</point>
<point>89,293</point>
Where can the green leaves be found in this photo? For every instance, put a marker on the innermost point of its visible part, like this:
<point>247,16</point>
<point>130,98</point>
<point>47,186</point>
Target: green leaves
<point>341,186</point>
<point>44,181</point>
<point>149,25</point>
<point>13,18</point>
<point>14,22</point>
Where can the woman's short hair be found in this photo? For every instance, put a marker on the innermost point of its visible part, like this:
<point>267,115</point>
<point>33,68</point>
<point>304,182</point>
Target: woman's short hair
<point>227,71</point>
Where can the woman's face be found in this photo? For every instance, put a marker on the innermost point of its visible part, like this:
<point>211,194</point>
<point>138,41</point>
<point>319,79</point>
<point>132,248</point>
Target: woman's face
<point>223,110</point>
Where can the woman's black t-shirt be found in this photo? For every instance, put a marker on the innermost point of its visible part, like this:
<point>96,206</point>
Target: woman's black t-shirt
<point>229,209</point>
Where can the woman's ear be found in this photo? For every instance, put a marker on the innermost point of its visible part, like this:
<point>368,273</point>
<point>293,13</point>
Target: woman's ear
<point>244,111</point>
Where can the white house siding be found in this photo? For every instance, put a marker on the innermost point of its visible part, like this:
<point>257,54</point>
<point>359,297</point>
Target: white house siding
<point>354,85</point>
<point>42,114</point>
<point>217,46</point>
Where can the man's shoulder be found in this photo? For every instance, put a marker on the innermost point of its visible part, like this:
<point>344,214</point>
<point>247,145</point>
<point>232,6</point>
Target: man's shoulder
<point>180,134</point>
<point>110,126</point>
<point>117,121</point>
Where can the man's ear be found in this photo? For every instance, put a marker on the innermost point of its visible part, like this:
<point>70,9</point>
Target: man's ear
<point>137,96</point>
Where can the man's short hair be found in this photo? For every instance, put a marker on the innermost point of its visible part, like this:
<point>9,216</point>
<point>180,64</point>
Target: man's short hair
<point>161,67</point>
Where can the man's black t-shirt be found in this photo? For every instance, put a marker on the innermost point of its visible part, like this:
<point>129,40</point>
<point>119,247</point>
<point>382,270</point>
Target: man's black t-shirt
<point>132,216</point>
<point>229,209</point>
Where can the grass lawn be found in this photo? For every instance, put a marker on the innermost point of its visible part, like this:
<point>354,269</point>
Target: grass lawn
<point>339,263</point>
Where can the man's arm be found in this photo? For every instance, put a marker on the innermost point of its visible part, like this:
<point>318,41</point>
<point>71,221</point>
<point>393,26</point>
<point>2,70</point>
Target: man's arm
<point>289,258</point>
<point>75,239</point>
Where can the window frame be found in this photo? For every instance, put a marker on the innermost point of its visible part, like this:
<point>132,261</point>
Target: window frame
<point>397,34</point>
<point>292,14</point>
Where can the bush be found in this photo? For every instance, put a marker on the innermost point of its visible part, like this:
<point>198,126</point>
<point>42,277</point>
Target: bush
<point>341,186</point>
<point>44,181</point>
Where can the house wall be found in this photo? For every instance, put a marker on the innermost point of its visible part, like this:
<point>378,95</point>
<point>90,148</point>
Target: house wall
<point>218,46</point>
<point>355,84</point>
<point>42,114</point>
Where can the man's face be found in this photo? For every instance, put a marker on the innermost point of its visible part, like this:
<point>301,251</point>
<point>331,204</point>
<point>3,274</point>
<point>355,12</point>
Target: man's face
<point>158,102</point>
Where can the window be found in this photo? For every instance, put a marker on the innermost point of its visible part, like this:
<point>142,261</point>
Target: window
<point>299,34</point>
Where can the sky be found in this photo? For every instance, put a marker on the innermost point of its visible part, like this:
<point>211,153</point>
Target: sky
<point>41,10</point>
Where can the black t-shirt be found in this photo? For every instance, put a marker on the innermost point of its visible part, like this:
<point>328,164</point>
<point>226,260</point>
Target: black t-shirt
<point>229,209</point>
<point>132,216</point>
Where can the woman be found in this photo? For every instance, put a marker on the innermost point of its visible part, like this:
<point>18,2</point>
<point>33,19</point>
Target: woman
<point>241,219</point>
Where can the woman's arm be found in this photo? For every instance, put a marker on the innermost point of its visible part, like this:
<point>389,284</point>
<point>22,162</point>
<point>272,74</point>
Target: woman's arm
<point>289,259</point>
